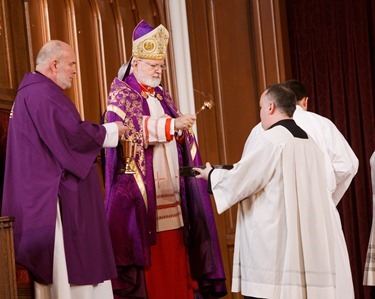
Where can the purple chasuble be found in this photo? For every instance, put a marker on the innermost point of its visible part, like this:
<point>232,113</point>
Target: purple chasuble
<point>51,154</point>
<point>132,224</point>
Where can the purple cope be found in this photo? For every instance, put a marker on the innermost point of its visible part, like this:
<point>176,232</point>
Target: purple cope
<point>132,226</point>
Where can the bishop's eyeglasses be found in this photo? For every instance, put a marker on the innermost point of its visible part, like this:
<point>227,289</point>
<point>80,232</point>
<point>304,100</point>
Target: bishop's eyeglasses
<point>154,67</point>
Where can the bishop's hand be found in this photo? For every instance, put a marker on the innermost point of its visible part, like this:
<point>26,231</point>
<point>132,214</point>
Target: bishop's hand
<point>184,121</point>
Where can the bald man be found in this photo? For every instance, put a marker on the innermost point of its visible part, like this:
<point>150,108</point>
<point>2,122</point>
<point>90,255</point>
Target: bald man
<point>52,186</point>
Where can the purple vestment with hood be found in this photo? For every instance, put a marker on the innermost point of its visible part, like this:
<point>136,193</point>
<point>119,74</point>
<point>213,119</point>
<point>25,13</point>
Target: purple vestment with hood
<point>131,201</point>
<point>51,154</point>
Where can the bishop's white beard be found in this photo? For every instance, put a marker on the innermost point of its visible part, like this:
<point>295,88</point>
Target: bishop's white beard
<point>150,81</point>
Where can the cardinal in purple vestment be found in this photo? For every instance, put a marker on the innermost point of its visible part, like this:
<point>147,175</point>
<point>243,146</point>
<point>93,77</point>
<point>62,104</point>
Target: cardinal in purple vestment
<point>155,203</point>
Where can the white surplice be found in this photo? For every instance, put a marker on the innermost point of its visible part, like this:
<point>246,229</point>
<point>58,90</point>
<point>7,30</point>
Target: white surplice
<point>341,161</point>
<point>285,231</point>
<point>341,166</point>
<point>369,273</point>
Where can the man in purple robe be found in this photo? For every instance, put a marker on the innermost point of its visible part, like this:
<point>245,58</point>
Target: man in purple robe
<point>52,186</point>
<point>162,224</point>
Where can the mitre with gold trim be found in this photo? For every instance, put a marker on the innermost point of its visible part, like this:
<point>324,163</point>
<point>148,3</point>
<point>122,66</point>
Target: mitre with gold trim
<point>149,42</point>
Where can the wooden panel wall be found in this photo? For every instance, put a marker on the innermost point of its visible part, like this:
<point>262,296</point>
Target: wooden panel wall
<point>238,48</point>
<point>8,286</point>
<point>13,50</point>
<point>99,30</point>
